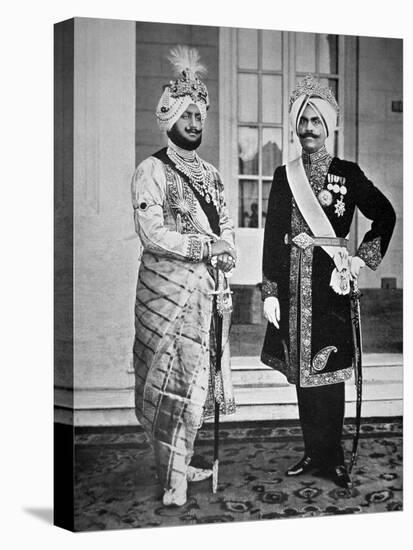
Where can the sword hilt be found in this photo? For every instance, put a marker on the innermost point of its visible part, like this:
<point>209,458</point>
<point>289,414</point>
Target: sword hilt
<point>222,294</point>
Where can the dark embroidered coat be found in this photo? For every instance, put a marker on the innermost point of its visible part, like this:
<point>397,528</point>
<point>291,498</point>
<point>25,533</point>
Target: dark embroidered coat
<point>313,346</point>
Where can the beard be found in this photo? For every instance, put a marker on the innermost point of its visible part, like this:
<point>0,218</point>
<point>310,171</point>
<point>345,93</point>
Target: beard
<point>181,141</point>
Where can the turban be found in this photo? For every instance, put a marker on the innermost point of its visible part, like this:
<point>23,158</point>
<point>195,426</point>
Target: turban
<point>186,90</point>
<point>311,93</point>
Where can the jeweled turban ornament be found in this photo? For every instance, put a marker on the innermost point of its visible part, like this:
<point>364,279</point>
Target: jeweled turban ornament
<point>187,89</point>
<point>321,98</point>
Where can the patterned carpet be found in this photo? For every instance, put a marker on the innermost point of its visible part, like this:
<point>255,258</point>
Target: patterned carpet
<point>116,486</point>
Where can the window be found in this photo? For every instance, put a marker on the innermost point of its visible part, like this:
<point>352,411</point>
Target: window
<point>260,75</point>
<point>261,67</point>
<point>318,54</point>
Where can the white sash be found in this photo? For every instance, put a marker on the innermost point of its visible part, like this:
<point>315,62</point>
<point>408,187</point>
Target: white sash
<point>308,204</point>
<point>318,222</point>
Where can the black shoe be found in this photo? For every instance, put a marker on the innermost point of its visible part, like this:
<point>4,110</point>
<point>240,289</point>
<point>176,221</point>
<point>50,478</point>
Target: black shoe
<point>305,465</point>
<point>340,476</point>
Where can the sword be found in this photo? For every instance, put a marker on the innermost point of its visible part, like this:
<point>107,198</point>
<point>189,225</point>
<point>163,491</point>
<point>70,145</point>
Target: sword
<point>358,375</point>
<point>222,304</point>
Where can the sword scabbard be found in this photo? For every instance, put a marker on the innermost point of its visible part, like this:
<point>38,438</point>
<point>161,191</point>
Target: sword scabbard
<point>358,372</point>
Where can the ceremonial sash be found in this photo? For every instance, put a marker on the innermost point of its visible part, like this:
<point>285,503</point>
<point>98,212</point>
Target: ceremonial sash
<point>308,204</point>
<point>319,224</point>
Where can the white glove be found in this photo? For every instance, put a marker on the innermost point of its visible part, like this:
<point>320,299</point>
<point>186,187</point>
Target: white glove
<point>347,268</point>
<point>356,263</point>
<point>272,310</point>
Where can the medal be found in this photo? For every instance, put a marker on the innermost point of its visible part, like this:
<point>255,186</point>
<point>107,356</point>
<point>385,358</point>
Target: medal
<point>325,198</point>
<point>340,207</point>
<point>336,184</point>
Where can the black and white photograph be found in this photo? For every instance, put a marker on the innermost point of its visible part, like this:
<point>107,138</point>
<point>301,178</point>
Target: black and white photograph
<point>236,266</point>
<point>226,304</point>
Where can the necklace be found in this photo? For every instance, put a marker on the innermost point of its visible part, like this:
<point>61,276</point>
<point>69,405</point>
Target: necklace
<point>194,169</point>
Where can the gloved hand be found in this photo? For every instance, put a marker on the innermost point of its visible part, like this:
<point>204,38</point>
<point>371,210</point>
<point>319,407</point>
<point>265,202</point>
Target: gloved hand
<point>355,264</point>
<point>272,310</point>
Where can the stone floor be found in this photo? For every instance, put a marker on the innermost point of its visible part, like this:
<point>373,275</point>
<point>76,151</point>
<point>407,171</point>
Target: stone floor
<point>116,485</point>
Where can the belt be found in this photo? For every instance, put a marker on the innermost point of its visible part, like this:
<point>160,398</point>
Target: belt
<point>303,240</point>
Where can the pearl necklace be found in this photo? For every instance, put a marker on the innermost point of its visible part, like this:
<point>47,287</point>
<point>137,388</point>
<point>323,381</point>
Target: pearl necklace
<point>190,164</point>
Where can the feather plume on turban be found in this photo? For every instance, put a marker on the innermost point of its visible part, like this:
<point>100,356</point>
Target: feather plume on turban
<point>187,89</point>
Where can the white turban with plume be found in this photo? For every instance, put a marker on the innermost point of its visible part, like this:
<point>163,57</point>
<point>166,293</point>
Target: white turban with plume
<point>309,92</point>
<point>188,89</point>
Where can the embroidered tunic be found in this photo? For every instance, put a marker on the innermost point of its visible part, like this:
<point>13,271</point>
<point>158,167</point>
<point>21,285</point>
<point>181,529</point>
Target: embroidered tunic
<point>174,348</point>
<point>168,218</point>
<point>313,346</point>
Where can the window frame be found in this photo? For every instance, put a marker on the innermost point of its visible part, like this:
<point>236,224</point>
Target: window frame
<point>228,120</point>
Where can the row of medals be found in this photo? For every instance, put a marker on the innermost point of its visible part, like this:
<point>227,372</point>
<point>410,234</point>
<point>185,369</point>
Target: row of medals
<point>336,184</point>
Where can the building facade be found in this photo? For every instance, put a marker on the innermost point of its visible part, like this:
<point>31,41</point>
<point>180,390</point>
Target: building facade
<point>115,71</point>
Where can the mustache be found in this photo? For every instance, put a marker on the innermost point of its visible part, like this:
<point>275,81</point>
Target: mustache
<point>193,130</point>
<point>309,134</point>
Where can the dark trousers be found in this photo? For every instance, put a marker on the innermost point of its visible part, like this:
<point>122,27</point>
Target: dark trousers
<point>321,411</point>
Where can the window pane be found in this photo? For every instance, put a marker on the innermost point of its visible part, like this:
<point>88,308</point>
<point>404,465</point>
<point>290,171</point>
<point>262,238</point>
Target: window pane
<point>248,97</point>
<point>271,150</point>
<point>272,50</point>
<point>305,52</point>
<point>248,151</point>
<point>266,187</point>
<point>328,53</point>
<point>248,203</point>
<point>271,98</point>
<point>247,48</point>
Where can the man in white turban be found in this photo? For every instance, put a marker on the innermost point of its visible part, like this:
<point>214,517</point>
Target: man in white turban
<point>307,272</point>
<point>323,106</point>
<point>184,227</point>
